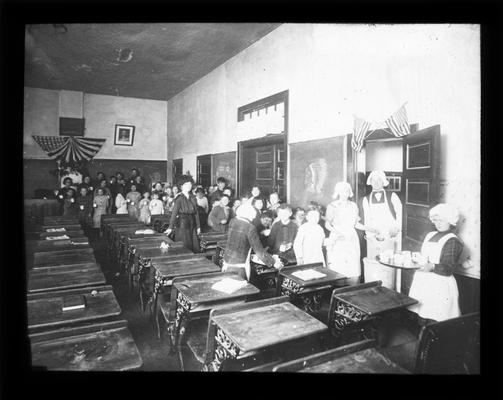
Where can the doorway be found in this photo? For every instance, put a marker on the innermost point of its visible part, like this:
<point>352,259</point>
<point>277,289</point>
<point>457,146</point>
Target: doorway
<point>177,170</point>
<point>262,163</point>
<point>412,165</point>
<point>204,170</point>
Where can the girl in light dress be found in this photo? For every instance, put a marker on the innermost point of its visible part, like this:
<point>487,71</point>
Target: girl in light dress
<point>156,206</point>
<point>120,204</point>
<point>100,204</point>
<point>132,200</point>
<point>308,244</point>
<point>343,247</point>
<point>144,208</point>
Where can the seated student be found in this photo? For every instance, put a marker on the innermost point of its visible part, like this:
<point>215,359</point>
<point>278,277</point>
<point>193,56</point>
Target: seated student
<point>242,237</point>
<point>133,199</point>
<point>156,206</point>
<point>308,244</point>
<point>218,192</point>
<point>219,216</point>
<point>202,207</point>
<point>258,204</point>
<point>283,232</point>
<point>273,204</point>
<point>85,208</point>
<point>299,216</point>
<point>69,206</point>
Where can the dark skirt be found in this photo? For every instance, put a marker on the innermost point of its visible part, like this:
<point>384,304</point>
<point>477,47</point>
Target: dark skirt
<point>186,232</point>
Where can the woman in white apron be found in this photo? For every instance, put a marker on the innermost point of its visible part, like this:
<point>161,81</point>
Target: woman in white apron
<point>382,212</point>
<point>434,286</point>
<point>343,248</point>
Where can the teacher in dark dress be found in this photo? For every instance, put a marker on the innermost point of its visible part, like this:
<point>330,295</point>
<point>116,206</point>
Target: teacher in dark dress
<point>184,216</point>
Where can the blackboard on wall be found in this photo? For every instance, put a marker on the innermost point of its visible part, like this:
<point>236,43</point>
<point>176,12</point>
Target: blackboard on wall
<point>315,167</point>
<point>224,164</point>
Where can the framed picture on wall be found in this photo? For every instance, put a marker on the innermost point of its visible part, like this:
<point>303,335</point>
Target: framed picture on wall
<point>124,135</point>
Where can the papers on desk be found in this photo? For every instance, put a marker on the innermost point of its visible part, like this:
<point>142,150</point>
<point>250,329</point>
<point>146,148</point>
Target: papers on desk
<point>254,258</point>
<point>229,285</point>
<point>308,274</point>
<point>164,245</point>
<point>56,230</point>
<point>62,237</point>
<point>144,232</point>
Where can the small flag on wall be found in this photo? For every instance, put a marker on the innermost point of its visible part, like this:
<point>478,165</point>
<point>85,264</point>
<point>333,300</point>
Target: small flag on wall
<point>360,128</point>
<point>398,123</point>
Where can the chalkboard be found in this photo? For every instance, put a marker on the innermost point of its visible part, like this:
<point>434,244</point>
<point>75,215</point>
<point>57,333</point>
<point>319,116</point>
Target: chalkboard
<point>224,164</point>
<point>315,167</point>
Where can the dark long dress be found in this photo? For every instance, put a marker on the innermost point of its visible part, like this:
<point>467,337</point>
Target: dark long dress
<point>185,221</point>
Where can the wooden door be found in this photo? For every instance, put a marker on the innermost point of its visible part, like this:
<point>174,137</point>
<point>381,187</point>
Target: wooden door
<point>177,170</point>
<point>264,165</point>
<point>204,170</point>
<point>421,167</point>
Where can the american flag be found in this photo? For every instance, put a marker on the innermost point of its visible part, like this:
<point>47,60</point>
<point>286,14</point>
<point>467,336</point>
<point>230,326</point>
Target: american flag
<point>398,123</point>
<point>360,128</point>
<point>69,148</point>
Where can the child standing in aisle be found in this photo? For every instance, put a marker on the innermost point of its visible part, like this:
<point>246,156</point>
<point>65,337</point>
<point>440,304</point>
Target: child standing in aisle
<point>308,244</point>
<point>144,208</point>
<point>132,200</point>
<point>100,204</point>
<point>85,207</point>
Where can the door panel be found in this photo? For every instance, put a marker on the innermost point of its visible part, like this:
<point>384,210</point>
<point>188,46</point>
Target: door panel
<point>421,179</point>
<point>265,167</point>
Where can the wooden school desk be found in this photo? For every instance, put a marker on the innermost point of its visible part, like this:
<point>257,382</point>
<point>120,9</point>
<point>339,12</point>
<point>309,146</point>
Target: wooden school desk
<point>125,236</point>
<point>67,227</point>
<point>45,310</point>
<point>101,346</point>
<point>354,306</point>
<point>218,258</point>
<point>253,327</point>
<point>160,221</point>
<point>194,297</point>
<point>63,257</point>
<point>41,246</point>
<point>208,241</point>
<point>117,233</point>
<point>65,277</point>
<point>164,273</point>
<point>309,292</point>
<point>357,358</point>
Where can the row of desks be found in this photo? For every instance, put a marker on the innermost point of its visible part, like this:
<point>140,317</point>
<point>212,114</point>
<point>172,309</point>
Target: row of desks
<point>222,327</point>
<point>73,317</point>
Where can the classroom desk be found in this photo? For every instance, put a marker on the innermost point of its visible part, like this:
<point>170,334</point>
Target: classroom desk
<point>357,358</point>
<point>310,292</point>
<point>102,346</point>
<point>158,221</point>
<point>71,233</point>
<point>260,328</point>
<point>195,297</point>
<point>125,236</point>
<point>59,258</point>
<point>208,241</point>
<point>117,233</point>
<point>65,277</point>
<point>356,304</point>
<point>45,310</point>
<point>108,229</point>
<point>60,219</point>
<point>40,246</point>
<point>218,258</point>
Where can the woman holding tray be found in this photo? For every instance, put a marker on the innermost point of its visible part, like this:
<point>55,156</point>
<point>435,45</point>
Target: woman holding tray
<point>434,285</point>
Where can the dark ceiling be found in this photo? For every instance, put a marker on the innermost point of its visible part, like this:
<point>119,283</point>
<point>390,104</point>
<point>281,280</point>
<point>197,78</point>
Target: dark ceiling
<point>154,61</point>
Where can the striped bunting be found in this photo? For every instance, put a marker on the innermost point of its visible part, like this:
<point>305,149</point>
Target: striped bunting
<point>360,128</point>
<point>69,148</point>
<point>398,123</point>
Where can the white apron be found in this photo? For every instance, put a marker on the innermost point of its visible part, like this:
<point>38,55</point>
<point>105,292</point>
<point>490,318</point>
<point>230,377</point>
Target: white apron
<point>437,295</point>
<point>380,218</point>
<point>344,255</point>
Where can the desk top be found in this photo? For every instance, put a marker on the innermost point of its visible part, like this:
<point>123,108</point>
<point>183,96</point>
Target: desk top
<point>65,277</point>
<point>185,267</point>
<point>177,257</point>
<point>46,256</point>
<point>367,361</point>
<point>377,299</point>
<point>45,309</point>
<point>147,238</point>
<point>40,246</point>
<point>198,290</point>
<point>213,236</point>
<point>261,327</point>
<point>58,225</point>
<point>151,252</point>
<point>101,347</point>
<point>330,278</point>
